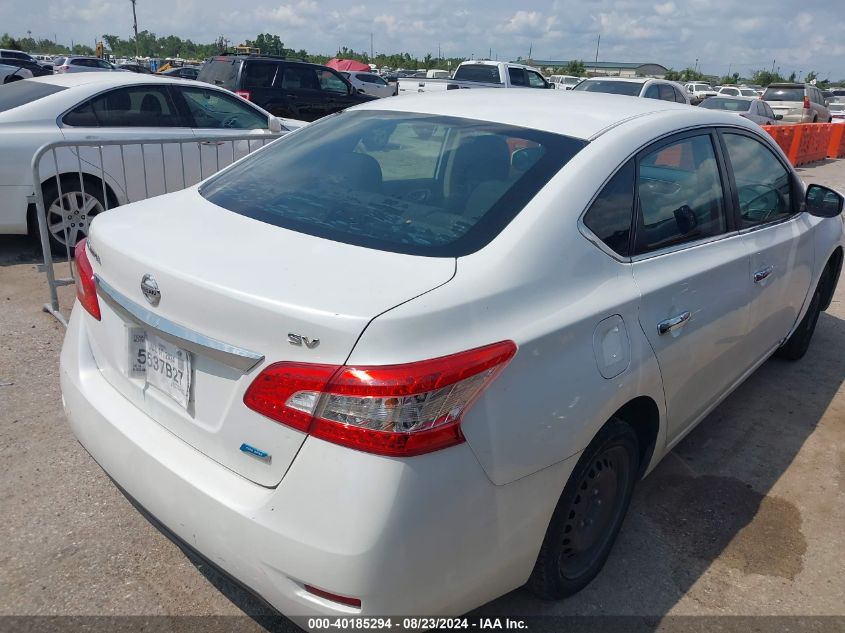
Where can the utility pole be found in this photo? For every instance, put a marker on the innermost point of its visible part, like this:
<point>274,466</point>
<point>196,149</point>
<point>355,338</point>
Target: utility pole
<point>135,27</point>
<point>598,43</point>
<point>773,65</point>
<point>371,46</point>
<point>530,50</point>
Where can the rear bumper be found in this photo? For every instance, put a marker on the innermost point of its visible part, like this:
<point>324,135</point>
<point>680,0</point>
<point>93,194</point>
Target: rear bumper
<point>429,535</point>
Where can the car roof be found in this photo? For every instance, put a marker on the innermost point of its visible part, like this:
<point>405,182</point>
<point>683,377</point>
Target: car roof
<point>627,80</point>
<point>787,85</point>
<point>583,115</point>
<point>735,98</point>
<point>70,80</point>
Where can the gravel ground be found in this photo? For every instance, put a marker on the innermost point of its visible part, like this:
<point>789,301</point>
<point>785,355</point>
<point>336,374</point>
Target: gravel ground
<point>745,517</point>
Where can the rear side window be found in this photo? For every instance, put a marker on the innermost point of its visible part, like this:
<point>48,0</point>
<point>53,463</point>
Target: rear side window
<point>680,195</point>
<point>666,92</point>
<point>478,72</point>
<point>407,183</point>
<point>141,106</point>
<point>517,76</point>
<point>299,78</point>
<point>18,93</point>
<point>258,75</point>
<point>611,214</point>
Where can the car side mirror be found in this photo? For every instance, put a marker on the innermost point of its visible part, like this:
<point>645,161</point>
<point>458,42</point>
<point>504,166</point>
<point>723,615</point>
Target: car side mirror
<point>779,117</point>
<point>823,202</point>
<point>274,125</point>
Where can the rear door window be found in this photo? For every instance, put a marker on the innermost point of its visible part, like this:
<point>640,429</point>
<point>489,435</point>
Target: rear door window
<point>652,92</point>
<point>517,76</point>
<point>138,106</point>
<point>259,74</point>
<point>299,78</point>
<point>680,193</point>
<point>401,182</point>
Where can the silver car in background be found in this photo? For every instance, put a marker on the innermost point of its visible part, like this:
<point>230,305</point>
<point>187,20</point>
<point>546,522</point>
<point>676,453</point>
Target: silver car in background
<point>798,103</point>
<point>82,64</point>
<point>749,108</point>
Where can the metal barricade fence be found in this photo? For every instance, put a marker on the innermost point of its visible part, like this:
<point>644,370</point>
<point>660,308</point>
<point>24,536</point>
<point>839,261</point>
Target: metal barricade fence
<point>117,172</point>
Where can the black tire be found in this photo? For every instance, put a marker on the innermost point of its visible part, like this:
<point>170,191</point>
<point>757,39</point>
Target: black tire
<point>589,514</point>
<point>799,342</point>
<point>77,216</point>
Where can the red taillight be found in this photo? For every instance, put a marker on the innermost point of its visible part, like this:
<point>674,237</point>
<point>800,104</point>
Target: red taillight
<point>806,102</point>
<point>352,602</point>
<point>65,67</point>
<point>398,410</point>
<point>86,288</point>
<point>245,94</point>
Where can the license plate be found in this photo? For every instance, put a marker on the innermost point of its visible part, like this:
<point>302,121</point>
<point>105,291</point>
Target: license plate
<point>163,365</point>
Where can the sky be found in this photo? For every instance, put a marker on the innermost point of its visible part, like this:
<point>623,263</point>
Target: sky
<point>723,35</point>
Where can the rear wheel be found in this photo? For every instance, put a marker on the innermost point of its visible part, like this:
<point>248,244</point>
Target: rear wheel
<point>799,342</point>
<point>69,215</point>
<point>589,514</point>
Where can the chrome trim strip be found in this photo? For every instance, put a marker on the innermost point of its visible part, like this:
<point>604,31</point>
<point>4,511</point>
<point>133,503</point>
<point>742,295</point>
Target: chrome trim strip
<point>236,357</point>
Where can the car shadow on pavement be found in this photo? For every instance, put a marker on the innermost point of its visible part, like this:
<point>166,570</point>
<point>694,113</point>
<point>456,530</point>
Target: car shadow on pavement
<point>710,503</point>
<point>19,249</point>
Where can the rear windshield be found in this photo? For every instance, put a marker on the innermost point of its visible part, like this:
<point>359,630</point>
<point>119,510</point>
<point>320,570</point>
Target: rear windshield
<point>478,72</point>
<point>784,94</point>
<point>220,72</point>
<point>400,182</point>
<point>732,105</point>
<point>629,88</point>
<point>18,93</point>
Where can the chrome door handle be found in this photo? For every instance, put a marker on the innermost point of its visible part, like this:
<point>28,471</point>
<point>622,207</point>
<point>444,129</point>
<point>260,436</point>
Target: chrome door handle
<point>760,275</point>
<point>664,327</point>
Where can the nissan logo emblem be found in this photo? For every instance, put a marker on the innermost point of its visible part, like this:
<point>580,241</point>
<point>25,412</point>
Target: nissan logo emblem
<point>150,289</point>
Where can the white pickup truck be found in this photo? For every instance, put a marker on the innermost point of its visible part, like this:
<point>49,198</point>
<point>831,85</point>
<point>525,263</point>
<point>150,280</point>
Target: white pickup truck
<point>478,73</point>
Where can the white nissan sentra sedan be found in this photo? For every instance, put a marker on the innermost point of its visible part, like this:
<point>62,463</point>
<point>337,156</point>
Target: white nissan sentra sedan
<point>426,347</point>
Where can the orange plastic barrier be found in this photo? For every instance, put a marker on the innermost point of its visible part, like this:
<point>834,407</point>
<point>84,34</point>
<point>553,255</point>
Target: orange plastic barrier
<point>784,136</point>
<point>836,147</point>
<point>806,142</point>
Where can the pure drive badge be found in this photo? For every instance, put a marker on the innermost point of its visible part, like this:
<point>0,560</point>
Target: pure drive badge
<point>256,452</point>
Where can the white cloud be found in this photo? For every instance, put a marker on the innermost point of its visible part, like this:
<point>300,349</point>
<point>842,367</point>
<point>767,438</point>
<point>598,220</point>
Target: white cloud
<point>667,8</point>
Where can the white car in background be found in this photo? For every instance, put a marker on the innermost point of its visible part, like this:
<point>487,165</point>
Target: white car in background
<point>370,84</point>
<point>564,82</point>
<point>647,88</point>
<point>110,106</point>
<point>699,91</point>
<point>82,64</point>
<point>409,377</point>
<point>737,91</point>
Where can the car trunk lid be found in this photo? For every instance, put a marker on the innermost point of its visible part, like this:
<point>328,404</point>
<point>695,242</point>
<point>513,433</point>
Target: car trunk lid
<point>236,294</point>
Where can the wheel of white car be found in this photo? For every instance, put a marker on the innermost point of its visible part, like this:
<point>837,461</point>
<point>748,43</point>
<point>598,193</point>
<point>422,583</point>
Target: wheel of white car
<point>69,215</point>
<point>589,514</point>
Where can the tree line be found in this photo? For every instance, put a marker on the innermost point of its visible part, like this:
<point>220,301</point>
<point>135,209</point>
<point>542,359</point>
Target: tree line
<point>150,45</point>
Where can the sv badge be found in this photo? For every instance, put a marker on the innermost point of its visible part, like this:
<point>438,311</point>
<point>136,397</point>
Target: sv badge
<point>299,340</point>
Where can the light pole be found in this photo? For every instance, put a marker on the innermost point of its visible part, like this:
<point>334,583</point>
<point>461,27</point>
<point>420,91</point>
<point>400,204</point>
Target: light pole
<point>135,27</point>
